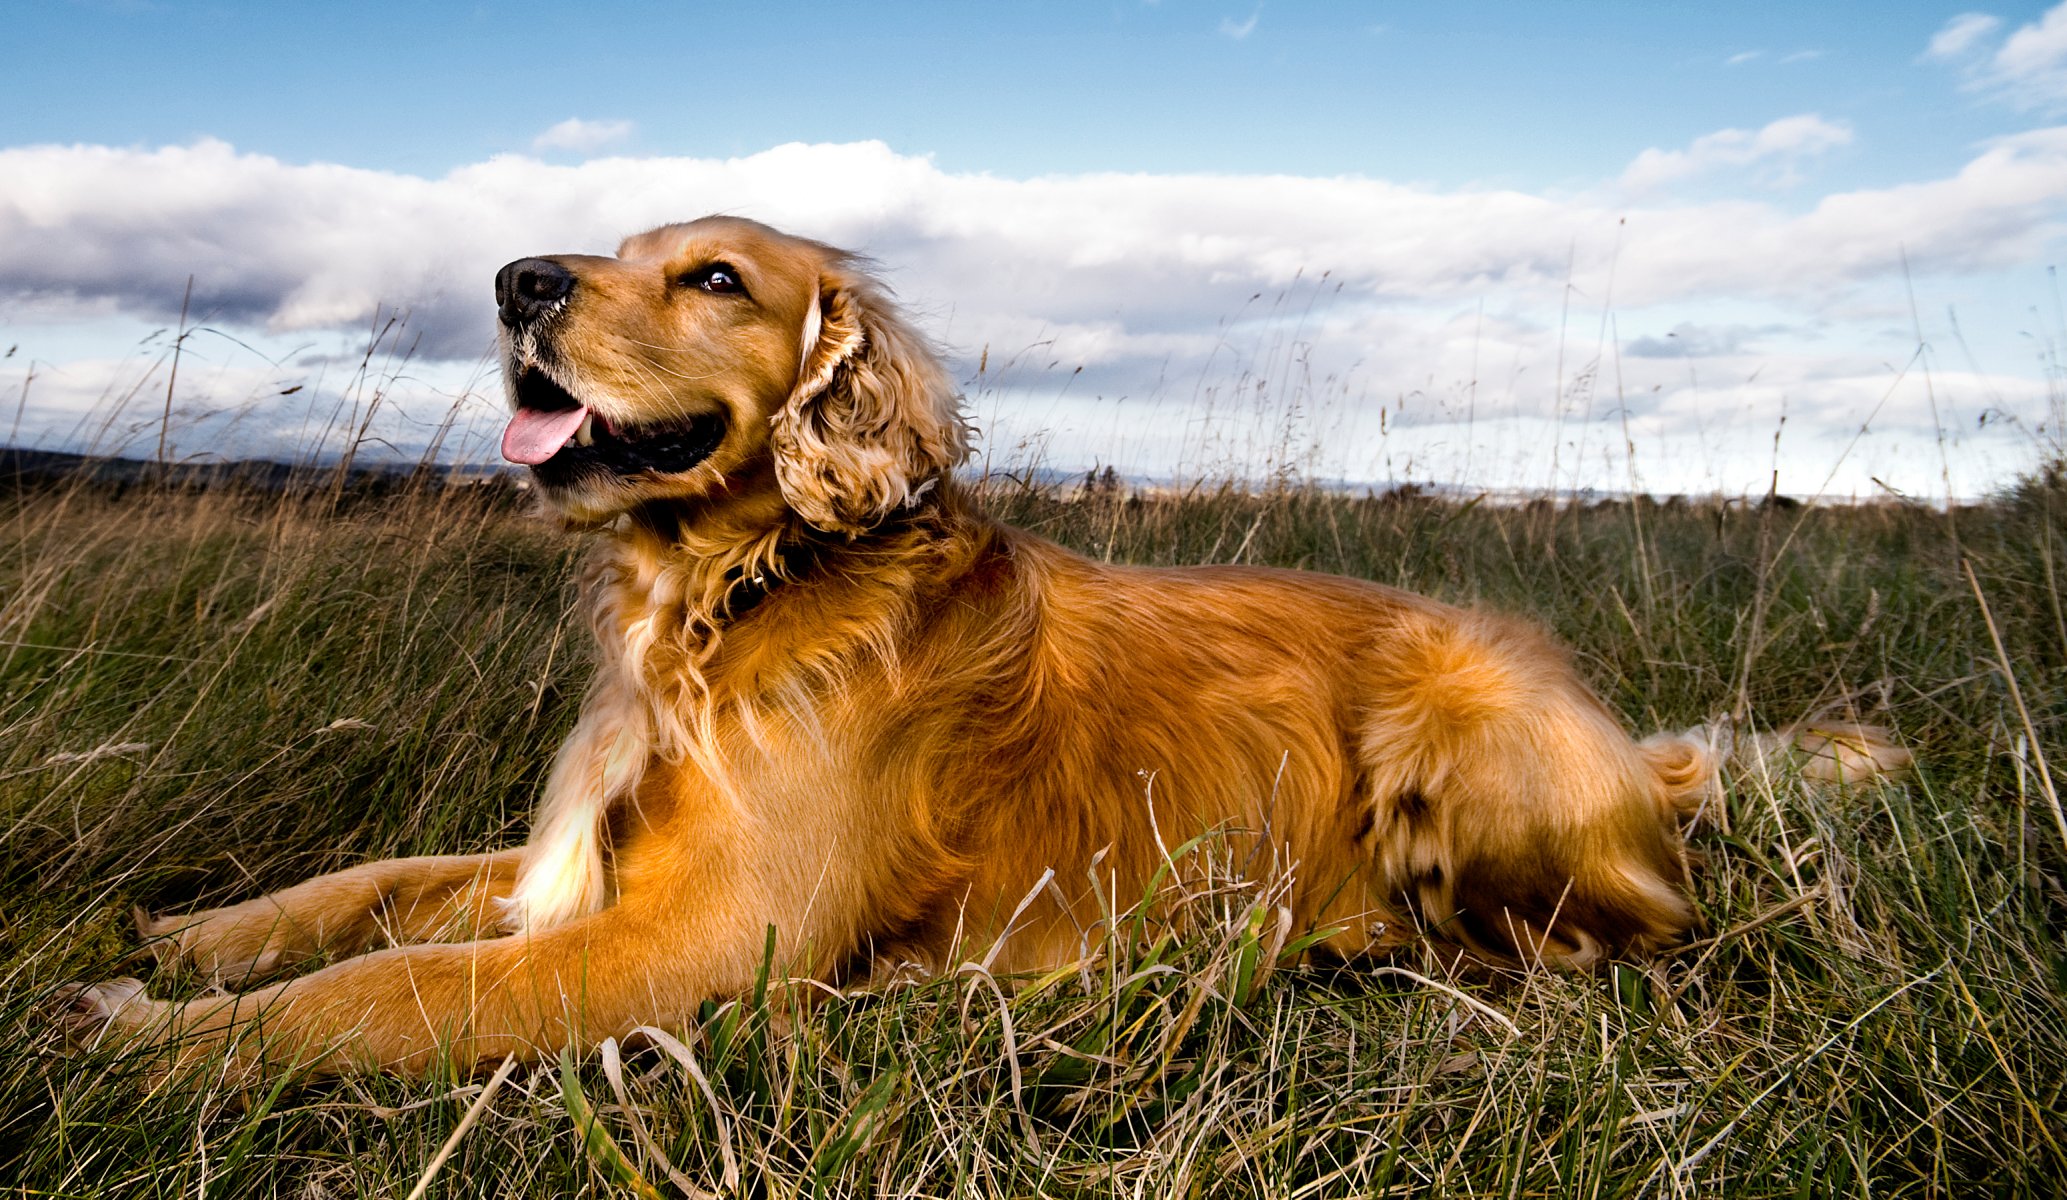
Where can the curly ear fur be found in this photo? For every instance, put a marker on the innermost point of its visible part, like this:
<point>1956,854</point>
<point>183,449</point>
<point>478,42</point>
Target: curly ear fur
<point>873,421</point>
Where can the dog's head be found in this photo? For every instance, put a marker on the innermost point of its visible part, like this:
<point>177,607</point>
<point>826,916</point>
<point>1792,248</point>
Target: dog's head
<point>710,357</point>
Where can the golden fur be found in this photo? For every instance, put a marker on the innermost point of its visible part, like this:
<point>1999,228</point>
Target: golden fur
<point>835,698</point>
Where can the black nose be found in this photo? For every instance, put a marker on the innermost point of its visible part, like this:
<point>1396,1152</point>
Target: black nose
<point>529,286</point>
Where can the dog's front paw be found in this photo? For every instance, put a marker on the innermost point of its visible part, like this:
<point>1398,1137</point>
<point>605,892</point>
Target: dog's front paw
<point>175,1041</point>
<point>91,1014</point>
<point>229,946</point>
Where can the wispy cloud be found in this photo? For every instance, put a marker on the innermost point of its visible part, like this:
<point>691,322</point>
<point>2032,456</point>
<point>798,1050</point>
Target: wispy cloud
<point>581,137</point>
<point>2027,69</point>
<point>1961,34</point>
<point>1747,57</point>
<point>1229,27</point>
<point>1689,340</point>
<point>2033,61</point>
<point>1774,152</point>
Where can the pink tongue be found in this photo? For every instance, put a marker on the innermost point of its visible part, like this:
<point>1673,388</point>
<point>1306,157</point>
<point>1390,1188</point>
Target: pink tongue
<point>535,436</point>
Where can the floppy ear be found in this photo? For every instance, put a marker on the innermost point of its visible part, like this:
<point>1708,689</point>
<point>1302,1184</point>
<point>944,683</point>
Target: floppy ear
<point>873,421</point>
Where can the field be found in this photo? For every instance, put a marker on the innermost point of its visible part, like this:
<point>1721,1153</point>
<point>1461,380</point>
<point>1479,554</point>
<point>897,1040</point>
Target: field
<point>207,694</point>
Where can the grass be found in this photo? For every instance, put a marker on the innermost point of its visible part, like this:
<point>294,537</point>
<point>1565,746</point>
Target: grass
<point>206,694</point>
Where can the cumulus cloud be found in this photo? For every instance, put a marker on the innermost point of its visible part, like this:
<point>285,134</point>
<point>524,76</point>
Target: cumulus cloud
<point>2027,69</point>
<point>300,247</point>
<point>1405,306</point>
<point>580,137</point>
<point>1777,150</point>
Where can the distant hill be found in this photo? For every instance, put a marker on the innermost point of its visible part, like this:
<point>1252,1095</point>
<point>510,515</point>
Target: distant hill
<point>21,468</point>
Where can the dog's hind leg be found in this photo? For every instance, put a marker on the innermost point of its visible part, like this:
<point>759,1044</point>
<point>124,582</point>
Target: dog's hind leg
<point>394,901</point>
<point>1511,810</point>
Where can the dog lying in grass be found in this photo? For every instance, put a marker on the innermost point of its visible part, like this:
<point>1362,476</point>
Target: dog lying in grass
<point>835,699</point>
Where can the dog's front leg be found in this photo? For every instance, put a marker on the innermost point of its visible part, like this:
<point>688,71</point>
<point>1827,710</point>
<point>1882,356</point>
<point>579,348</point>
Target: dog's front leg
<point>406,1008</point>
<point>345,912</point>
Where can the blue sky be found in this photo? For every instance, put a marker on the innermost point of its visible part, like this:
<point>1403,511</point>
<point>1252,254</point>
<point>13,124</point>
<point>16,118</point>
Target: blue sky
<point>1521,94</point>
<point>1507,195</point>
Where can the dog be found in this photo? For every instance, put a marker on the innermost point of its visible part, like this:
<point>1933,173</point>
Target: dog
<point>836,699</point>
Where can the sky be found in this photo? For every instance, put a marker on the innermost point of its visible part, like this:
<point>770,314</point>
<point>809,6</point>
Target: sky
<point>1648,246</point>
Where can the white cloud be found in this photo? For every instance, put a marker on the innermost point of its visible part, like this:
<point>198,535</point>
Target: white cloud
<point>2033,60</point>
<point>1779,148</point>
<point>1961,34</point>
<point>1739,59</point>
<point>2027,70</point>
<point>298,247</point>
<point>580,137</point>
<point>1336,297</point>
<point>1229,27</point>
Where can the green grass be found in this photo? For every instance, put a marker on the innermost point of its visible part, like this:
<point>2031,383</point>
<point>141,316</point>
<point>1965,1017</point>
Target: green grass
<point>203,696</point>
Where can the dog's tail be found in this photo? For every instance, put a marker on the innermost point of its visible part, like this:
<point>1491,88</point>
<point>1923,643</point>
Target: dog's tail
<point>1842,753</point>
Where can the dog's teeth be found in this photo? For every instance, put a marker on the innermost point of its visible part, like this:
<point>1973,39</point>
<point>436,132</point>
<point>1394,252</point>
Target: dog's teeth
<point>585,433</point>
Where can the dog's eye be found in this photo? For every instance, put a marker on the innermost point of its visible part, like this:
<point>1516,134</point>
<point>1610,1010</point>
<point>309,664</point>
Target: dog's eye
<point>717,278</point>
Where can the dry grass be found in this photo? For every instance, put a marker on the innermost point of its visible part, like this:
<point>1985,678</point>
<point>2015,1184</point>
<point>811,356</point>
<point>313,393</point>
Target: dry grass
<point>203,695</point>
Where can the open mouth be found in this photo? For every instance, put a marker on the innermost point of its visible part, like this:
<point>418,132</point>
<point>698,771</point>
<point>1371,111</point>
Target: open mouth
<point>558,437</point>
